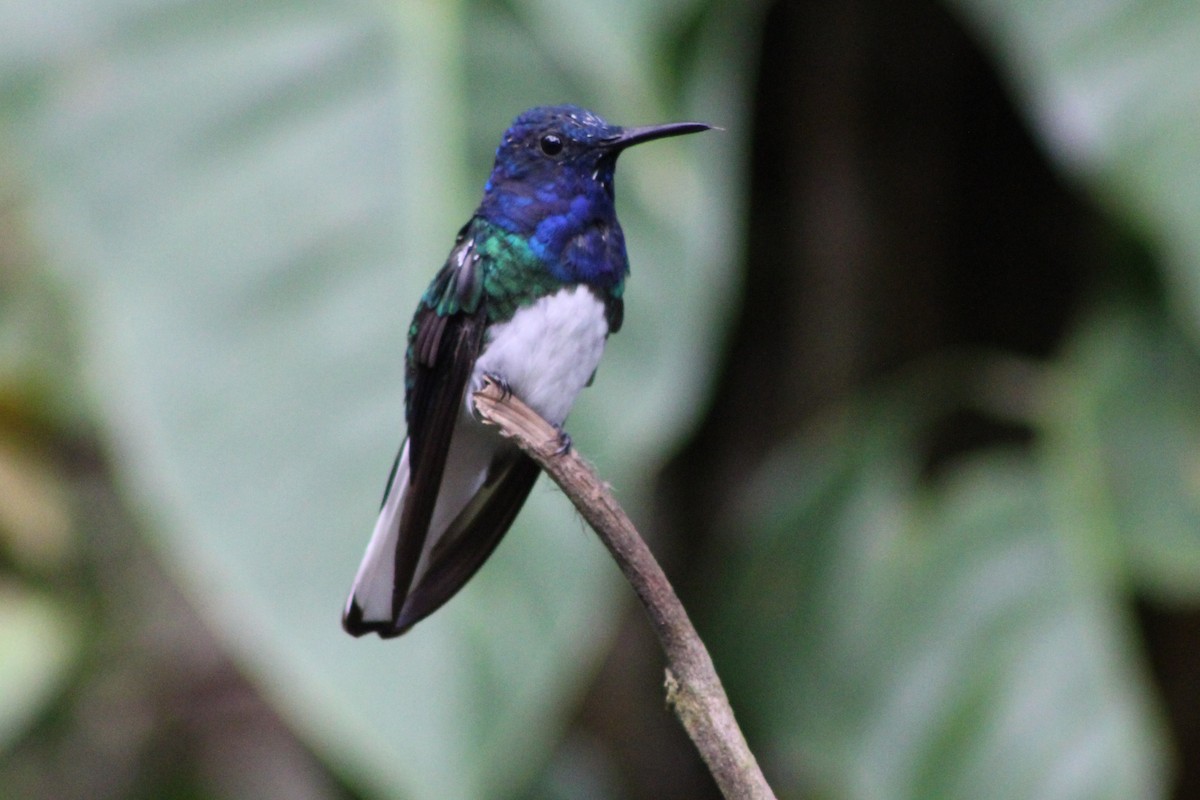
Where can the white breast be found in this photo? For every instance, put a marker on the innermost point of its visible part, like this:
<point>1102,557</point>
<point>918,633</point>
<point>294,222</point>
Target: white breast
<point>548,351</point>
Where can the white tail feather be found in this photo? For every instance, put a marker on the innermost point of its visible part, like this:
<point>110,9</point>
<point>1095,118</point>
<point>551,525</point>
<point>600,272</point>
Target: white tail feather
<point>373,584</point>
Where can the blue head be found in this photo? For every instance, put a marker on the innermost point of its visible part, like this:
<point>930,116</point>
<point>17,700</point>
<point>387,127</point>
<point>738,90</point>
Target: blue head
<point>553,184</point>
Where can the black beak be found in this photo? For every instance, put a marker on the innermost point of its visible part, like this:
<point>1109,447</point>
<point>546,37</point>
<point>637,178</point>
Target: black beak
<point>631,136</point>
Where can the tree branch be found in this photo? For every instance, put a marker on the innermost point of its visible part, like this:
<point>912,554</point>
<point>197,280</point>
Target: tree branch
<point>693,689</point>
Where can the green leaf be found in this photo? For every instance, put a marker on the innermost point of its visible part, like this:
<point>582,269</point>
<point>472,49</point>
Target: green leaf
<point>38,643</point>
<point>885,640</point>
<point>1113,90</point>
<point>247,200</point>
<point>1123,441</point>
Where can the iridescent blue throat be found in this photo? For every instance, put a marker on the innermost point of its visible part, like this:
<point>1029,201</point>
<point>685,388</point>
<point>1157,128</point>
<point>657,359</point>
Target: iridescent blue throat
<point>568,219</point>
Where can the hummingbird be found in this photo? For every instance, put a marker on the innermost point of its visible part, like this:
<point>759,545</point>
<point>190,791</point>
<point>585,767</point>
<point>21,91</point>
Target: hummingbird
<point>528,296</point>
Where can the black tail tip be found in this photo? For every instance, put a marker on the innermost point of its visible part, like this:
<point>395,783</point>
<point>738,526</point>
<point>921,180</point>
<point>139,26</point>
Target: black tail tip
<point>354,624</point>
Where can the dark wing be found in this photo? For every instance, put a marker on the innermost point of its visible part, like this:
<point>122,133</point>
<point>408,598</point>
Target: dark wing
<point>445,340</point>
<point>472,536</point>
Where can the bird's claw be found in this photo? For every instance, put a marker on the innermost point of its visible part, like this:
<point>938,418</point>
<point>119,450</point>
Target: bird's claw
<point>505,388</point>
<point>564,441</point>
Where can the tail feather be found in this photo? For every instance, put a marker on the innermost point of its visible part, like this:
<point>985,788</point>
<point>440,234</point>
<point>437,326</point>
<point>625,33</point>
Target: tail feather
<point>482,491</point>
<point>467,542</point>
<point>369,607</point>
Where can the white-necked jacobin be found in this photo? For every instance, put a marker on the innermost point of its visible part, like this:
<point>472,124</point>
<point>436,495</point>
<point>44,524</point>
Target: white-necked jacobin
<point>529,294</point>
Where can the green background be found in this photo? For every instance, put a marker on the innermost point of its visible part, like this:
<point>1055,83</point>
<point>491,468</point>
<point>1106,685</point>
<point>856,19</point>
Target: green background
<point>936,559</point>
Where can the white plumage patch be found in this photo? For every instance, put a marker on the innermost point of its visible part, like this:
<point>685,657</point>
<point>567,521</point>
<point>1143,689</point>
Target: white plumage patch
<point>548,351</point>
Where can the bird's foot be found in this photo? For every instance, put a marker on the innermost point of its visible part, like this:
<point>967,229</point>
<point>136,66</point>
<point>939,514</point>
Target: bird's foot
<point>564,441</point>
<point>505,388</point>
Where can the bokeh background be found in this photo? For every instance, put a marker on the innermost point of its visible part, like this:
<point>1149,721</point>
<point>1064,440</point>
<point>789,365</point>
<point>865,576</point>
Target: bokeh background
<point>907,399</point>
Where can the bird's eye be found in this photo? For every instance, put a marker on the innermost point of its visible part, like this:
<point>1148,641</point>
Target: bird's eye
<point>552,144</point>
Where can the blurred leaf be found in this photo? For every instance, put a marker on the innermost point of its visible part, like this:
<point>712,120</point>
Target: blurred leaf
<point>247,200</point>
<point>36,398</point>
<point>35,518</point>
<point>1124,443</point>
<point>39,384</point>
<point>37,646</point>
<point>1114,89</point>
<point>889,641</point>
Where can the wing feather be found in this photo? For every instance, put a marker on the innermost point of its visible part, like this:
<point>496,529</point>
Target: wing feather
<point>472,536</point>
<point>434,407</point>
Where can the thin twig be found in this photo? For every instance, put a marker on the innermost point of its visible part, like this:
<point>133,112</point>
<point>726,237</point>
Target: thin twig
<point>693,688</point>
